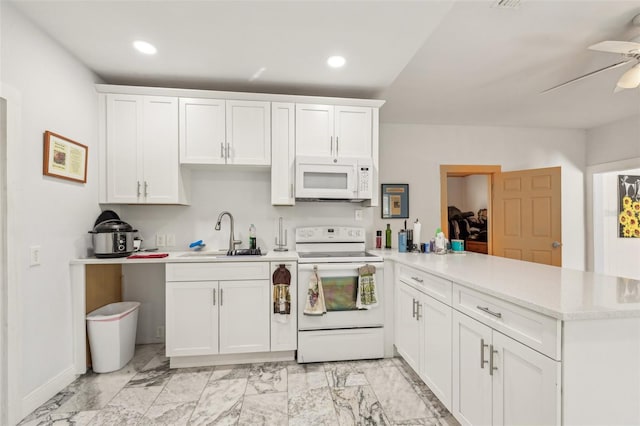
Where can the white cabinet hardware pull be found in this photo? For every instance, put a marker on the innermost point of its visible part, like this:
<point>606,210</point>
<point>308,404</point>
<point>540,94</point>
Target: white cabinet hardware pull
<point>331,138</point>
<point>337,140</point>
<point>491,361</point>
<point>418,306</point>
<point>420,280</point>
<point>490,312</point>
<point>220,297</point>
<point>214,297</point>
<point>221,150</point>
<point>482,360</point>
<point>413,315</point>
<point>146,188</point>
<point>138,188</point>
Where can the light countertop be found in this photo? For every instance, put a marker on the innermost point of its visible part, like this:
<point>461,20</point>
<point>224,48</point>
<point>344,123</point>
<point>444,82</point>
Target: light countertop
<point>561,293</point>
<point>192,257</point>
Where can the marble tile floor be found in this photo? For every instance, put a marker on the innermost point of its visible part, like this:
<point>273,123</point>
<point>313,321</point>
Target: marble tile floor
<point>147,392</point>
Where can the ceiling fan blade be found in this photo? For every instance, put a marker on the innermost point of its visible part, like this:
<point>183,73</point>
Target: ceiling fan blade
<point>623,47</point>
<point>566,83</point>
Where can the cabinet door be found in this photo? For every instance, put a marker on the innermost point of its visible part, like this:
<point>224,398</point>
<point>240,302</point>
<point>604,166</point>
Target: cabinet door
<point>283,154</point>
<point>160,150</point>
<point>249,132</point>
<point>244,316</point>
<point>124,161</point>
<point>471,379</point>
<point>284,328</point>
<point>192,318</point>
<point>407,325</point>
<point>314,130</point>
<point>526,386</point>
<point>353,131</point>
<point>202,131</point>
<point>436,359</point>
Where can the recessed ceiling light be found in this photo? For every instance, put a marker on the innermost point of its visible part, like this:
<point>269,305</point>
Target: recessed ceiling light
<point>145,47</point>
<point>336,61</point>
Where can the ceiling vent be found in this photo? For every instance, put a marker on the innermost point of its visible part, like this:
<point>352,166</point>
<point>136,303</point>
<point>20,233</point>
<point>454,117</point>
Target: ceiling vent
<point>507,4</point>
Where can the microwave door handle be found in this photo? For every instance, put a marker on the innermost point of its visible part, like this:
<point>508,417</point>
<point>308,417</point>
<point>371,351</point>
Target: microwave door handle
<point>356,180</point>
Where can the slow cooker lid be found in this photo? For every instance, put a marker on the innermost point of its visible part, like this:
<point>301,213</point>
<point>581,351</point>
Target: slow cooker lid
<point>113,225</point>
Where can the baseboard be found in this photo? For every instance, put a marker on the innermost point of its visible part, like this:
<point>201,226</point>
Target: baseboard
<point>41,394</point>
<point>225,359</point>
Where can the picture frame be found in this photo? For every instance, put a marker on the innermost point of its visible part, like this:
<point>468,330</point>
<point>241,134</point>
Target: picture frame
<point>395,201</point>
<point>64,158</point>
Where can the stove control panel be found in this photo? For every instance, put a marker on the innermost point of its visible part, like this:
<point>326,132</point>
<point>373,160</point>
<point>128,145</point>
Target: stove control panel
<point>312,234</point>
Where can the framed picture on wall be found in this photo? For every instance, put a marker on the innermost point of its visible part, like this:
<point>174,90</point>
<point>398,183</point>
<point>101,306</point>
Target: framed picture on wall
<point>395,200</point>
<point>64,158</point>
<point>628,206</point>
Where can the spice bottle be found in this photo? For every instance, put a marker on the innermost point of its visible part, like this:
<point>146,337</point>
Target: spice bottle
<point>378,239</point>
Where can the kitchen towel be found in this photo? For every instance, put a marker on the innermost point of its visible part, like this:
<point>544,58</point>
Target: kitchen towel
<point>367,296</point>
<point>315,296</point>
<point>281,279</point>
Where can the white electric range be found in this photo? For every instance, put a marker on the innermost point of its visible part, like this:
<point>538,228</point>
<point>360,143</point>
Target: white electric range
<point>344,332</point>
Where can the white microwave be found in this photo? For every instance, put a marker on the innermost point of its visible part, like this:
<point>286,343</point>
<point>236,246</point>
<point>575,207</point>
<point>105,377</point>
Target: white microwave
<point>327,179</point>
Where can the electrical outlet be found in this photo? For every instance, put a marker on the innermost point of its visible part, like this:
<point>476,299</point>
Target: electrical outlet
<point>161,240</point>
<point>171,240</point>
<point>358,215</point>
<point>160,332</point>
<point>34,255</point>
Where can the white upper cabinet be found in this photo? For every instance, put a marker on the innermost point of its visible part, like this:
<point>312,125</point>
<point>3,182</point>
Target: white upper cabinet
<point>141,150</point>
<point>333,131</point>
<point>283,154</point>
<point>353,131</point>
<point>202,131</point>
<point>215,131</point>
<point>248,133</point>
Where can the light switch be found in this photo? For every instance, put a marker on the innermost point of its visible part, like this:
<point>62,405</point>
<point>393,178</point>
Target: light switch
<point>34,255</point>
<point>171,240</point>
<point>161,240</point>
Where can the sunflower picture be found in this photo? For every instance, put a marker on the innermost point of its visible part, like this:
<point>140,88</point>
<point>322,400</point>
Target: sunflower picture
<point>629,206</point>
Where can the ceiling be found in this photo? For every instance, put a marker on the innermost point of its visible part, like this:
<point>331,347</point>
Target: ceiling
<point>434,62</point>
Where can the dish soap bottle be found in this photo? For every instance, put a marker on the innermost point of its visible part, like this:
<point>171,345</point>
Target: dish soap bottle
<point>387,243</point>
<point>252,237</point>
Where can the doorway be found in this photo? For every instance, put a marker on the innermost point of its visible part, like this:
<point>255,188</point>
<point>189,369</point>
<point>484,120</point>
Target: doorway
<point>524,211</point>
<point>457,183</point>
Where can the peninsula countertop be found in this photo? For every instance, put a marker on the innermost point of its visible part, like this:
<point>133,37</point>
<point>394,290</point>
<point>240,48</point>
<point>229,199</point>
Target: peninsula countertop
<point>191,257</point>
<point>561,293</point>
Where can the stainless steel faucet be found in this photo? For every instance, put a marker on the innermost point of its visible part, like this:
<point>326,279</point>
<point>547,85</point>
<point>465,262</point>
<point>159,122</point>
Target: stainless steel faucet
<point>232,242</point>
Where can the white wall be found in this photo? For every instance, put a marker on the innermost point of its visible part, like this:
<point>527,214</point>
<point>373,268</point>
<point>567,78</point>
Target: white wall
<point>468,193</point>
<point>616,141</point>
<point>57,94</point>
<point>512,148</point>
<point>613,255</point>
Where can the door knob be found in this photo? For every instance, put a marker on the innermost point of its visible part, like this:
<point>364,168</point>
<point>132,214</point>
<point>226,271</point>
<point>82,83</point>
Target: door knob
<point>556,244</point>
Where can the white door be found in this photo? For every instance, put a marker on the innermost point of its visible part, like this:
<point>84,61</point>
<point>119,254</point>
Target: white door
<point>471,379</point>
<point>244,316</point>
<point>249,132</point>
<point>525,385</point>
<point>202,131</point>
<point>407,325</point>
<point>124,162</point>
<point>436,359</point>
<point>160,150</point>
<point>283,154</point>
<point>314,130</point>
<point>192,318</point>
<point>353,131</point>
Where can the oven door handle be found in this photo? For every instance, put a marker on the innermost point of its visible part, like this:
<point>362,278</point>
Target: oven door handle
<point>330,266</point>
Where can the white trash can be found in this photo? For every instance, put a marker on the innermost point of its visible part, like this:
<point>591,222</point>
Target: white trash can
<point>112,335</point>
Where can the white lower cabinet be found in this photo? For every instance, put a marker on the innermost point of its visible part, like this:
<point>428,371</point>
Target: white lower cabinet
<point>423,337</point>
<point>209,316</point>
<point>499,381</point>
